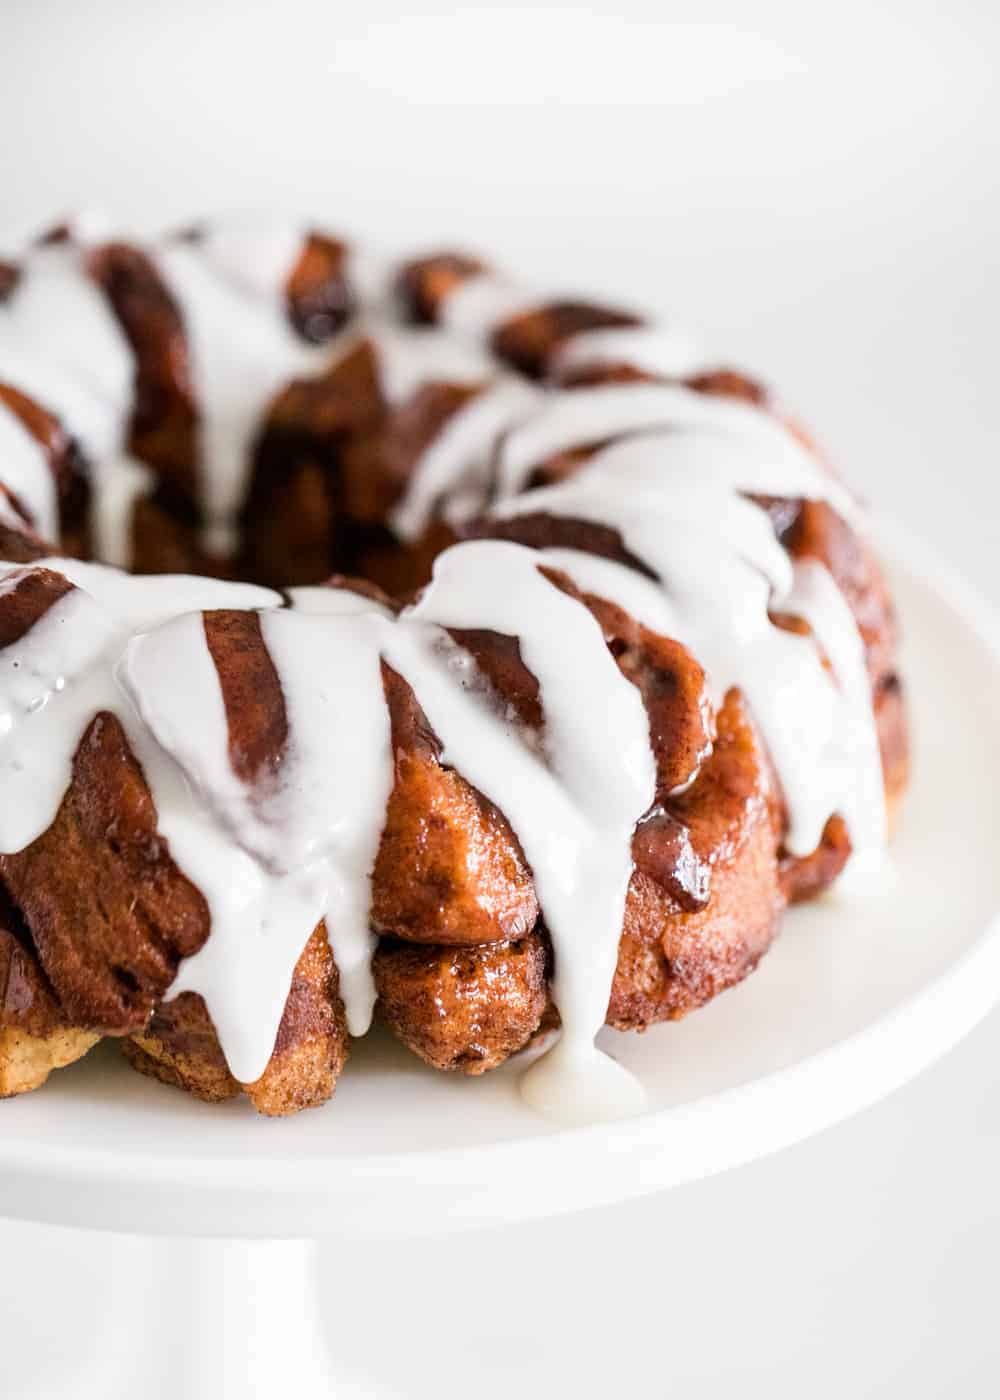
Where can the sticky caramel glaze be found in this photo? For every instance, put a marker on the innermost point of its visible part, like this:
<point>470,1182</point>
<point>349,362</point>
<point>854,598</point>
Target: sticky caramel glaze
<point>179,1046</point>
<point>320,301</point>
<point>65,464</point>
<point>27,600</point>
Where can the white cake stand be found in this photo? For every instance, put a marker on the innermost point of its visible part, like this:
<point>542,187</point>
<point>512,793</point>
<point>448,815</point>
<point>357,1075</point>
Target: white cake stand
<point>856,998</point>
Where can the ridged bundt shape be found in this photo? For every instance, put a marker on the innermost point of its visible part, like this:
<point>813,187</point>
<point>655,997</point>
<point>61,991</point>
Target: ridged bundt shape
<point>356,461</point>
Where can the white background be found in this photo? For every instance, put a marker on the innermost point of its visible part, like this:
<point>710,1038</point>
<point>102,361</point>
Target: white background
<point>814,190</point>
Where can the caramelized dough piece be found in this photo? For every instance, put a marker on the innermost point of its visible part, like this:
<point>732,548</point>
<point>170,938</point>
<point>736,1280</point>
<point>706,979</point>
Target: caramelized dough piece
<point>108,911</point>
<point>165,415</point>
<point>424,284</point>
<point>295,521</point>
<point>670,961</point>
<point>529,341</point>
<point>471,1009</point>
<point>20,546</point>
<point>377,465</point>
<point>463,1008</point>
<point>35,1036</point>
<point>180,1047</point>
<point>320,301</point>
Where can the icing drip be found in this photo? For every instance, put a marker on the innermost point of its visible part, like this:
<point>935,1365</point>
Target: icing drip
<point>61,345</point>
<point>27,474</point>
<point>275,856</point>
<point>60,319</point>
<point>276,853</point>
<point>409,358</point>
<point>754,450</point>
<point>673,498</point>
<point>575,812</point>
<point>119,483</point>
<point>655,349</point>
<point>854,756</point>
<point>482,302</point>
<point>306,835</point>
<point>258,256</point>
<point>242,350</point>
<point>313,836</point>
<point>459,460</point>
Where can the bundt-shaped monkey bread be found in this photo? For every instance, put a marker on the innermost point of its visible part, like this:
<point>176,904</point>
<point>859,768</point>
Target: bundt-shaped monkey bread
<point>460,656</point>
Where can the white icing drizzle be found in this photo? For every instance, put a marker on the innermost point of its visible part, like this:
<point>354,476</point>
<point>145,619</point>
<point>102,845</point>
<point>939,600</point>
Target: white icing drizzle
<point>484,301</point>
<point>73,679</point>
<point>61,345</point>
<point>258,256</point>
<point>855,753</point>
<point>460,457</point>
<point>8,515</point>
<point>242,351</point>
<point>673,498</point>
<point>575,814</point>
<point>60,318</point>
<point>758,444</point>
<point>95,422</point>
<point>26,472</point>
<point>655,349</point>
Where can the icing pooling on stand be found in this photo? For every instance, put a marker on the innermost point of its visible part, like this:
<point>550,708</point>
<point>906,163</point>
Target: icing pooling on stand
<point>275,856</point>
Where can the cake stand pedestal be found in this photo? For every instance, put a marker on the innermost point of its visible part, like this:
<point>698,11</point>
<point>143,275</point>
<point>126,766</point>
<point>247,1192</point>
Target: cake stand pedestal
<point>855,998</point>
<point>197,1320</point>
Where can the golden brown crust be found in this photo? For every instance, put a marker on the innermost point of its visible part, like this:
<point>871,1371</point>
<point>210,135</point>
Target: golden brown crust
<point>671,961</point>
<point>180,1047</point>
<point>320,300</point>
<point>449,867</point>
<point>65,464</point>
<point>465,1009</point>
<point>164,418</point>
